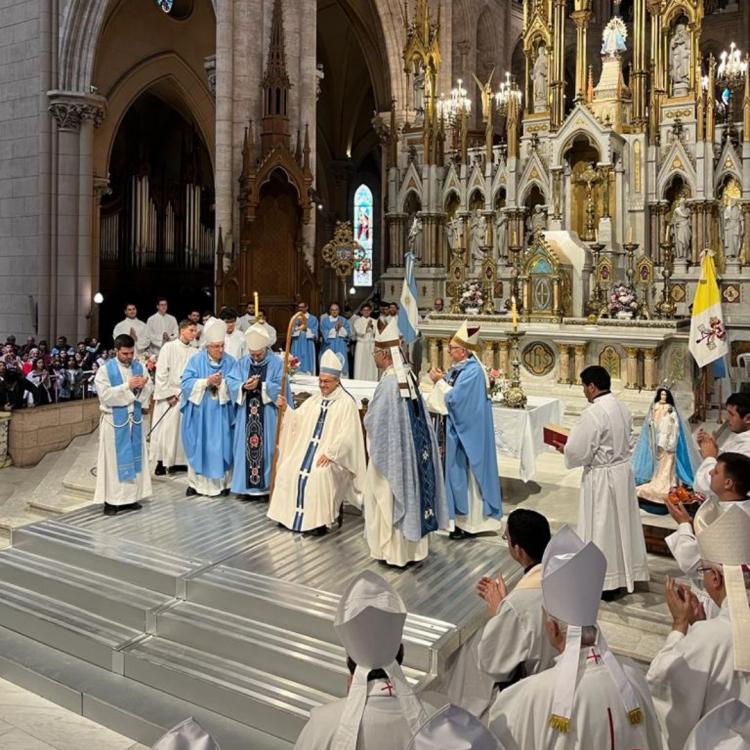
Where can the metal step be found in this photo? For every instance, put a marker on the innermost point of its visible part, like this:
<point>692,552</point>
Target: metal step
<point>270,703</point>
<point>109,597</point>
<point>139,564</point>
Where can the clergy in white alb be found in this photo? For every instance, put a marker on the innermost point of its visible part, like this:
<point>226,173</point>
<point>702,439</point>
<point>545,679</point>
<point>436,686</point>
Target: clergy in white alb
<point>303,341</point>
<point>513,643</point>
<point>245,321</point>
<point>208,415</point>
<point>161,327</point>
<point>166,432</point>
<point>704,663</point>
<point>255,386</point>
<point>726,727</point>
<point>134,328</point>
<point>365,330</point>
<point>608,514</point>
<point>381,709</point>
<point>404,494</point>
<point>321,459</point>
<point>682,542</point>
<point>234,342</point>
<point>195,318</point>
<point>461,397</point>
<point>590,700</point>
<point>124,390</point>
<point>334,336</point>
<point>454,728</point>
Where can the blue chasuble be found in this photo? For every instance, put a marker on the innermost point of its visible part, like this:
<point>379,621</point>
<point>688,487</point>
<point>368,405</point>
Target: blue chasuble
<point>339,344</point>
<point>470,441</point>
<point>304,348</point>
<point>207,427</point>
<point>255,426</point>
<point>128,432</point>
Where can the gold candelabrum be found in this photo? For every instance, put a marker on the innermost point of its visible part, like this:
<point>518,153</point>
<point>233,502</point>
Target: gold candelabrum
<point>596,303</point>
<point>666,308</point>
<point>590,176</point>
<point>515,277</point>
<point>642,312</point>
<point>489,275</point>
<point>513,394</point>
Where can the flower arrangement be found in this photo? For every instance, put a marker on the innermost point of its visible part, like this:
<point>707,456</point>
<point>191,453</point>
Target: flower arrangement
<point>496,380</point>
<point>623,302</point>
<point>471,296</point>
<point>292,366</point>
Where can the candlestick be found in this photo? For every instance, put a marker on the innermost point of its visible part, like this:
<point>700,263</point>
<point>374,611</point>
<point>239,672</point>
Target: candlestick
<point>630,234</point>
<point>257,309</point>
<point>514,313</point>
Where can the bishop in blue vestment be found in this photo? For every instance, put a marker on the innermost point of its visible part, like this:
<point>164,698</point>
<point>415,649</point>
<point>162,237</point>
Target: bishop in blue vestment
<point>303,342</point>
<point>334,336</point>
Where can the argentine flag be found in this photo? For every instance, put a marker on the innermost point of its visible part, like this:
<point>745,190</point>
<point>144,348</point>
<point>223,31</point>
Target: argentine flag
<point>708,338</point>
<point>408,313</point>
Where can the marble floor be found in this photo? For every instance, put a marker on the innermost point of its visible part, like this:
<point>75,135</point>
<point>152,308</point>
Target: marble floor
<point>28,722</point>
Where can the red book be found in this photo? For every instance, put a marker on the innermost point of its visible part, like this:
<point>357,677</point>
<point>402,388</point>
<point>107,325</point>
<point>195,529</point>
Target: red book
<point>555,433</point>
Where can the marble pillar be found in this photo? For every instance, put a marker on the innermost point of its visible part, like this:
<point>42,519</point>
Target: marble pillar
<point>488,354</point>
<point>433,352</point>
<point>446,355</point>
<point>631,367</point>
<point>580,359</point>
<point>503,347</point>
<point>650,379</point>
<point>563,363</point>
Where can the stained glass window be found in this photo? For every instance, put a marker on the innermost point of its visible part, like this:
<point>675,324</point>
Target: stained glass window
<point>363,226</point>
<point>165,5</point>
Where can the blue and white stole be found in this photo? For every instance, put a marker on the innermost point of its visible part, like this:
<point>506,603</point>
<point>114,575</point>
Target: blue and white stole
<point>255,474</point>
<point>128,432</point>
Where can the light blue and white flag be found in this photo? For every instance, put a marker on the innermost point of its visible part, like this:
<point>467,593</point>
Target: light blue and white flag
<point>408,313</point>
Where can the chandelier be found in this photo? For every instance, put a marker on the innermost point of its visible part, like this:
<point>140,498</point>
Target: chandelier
<point>507,90</point>
<point>456,106</point>
<point>732,67</point>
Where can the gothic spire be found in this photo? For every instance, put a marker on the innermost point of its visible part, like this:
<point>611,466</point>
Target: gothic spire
<point>276,75</point>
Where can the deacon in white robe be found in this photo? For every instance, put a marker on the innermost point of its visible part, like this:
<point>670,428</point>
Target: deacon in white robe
<point>513,644</point>
<point>134,328</point>
<point>195,318</point>
<point>235,344</point>
<point>364,330</point>
<point>704,663</point>
<point>589,700</point>
<point>124,391</point>
<point>454,728</point>
<point>161,326</point>
<point>608,514</point>
<point>321,456</point>
<point>166,438</point>
<point>245,321</point>
<point>381,710</point>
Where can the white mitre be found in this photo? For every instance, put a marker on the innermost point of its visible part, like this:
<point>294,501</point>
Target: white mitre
<point>390,336</point>
<point>331,364</point>
<point>454,728</point>
<point>725,727</point>
<point>214,332</point>
<point>370,623</point>
<point>572,580</point>
<point>467,336</point>
<point>722,531</point>
<point>257,338</point>
<point>187,735</point>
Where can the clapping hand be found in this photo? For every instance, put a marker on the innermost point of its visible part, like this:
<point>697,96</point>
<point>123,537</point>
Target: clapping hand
<point>707,444</point>
<point>493,591</point>
<point>683,605</point>
<point>435,374</point>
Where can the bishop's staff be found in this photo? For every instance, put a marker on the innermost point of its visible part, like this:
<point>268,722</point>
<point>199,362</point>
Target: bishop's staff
<point>282,409</point>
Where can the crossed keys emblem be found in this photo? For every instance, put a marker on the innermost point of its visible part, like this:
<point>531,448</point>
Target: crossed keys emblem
<point>712,333</point>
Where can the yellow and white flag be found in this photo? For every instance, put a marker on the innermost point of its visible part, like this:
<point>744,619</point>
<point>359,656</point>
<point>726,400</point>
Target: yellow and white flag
<point>708,338</point>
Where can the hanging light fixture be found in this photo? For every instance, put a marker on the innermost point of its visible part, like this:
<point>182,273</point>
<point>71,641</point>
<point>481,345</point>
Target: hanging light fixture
<point>507,90</point>
<point>732,68</point>
<point>456,105</point>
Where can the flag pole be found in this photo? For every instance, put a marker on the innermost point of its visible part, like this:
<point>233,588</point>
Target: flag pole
<point>284,378</point>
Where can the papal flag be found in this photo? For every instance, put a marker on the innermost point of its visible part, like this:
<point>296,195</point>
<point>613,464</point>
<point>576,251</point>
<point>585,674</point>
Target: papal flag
<point>408,312</point>
<point>708,338</point>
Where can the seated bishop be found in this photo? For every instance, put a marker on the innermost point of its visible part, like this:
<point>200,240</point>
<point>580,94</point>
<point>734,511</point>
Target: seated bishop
<point>461,398</point>
<point>208,415</point>
<point>321,458</point>
<point>404,495</point>
<point>255,386</point>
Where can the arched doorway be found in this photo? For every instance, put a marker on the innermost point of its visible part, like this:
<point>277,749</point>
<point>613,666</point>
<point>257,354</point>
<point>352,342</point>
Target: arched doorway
<point>156,232</point>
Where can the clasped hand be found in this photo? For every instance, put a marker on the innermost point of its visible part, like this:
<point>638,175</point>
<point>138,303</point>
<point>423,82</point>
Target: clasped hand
<point>214,380</point>
<point>436,374</point>
<point>251,383</point>
<point>492,591</point>
<point>136,381</point>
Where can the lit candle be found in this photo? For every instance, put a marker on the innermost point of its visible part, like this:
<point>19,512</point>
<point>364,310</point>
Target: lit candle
<point>257,309</point>
<point>514,313</point>
<point>630,235</point>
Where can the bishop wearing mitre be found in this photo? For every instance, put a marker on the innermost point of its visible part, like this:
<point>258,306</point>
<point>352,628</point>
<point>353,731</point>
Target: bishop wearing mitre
<point>321,459</point>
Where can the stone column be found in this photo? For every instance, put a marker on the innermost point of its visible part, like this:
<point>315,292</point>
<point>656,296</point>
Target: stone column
<point>396,224</point>
<point>446,355</point>
<point>4,430</point>
<point>432,352</point>
<point>745,249</point>
<point>581,17</point>
<point>631,367</point>
<point>563,363</point>
<point>488,354</point>
<point>101,188</point>
<point>650,380</point>
<point>580,359</point>
<point>503,347</point>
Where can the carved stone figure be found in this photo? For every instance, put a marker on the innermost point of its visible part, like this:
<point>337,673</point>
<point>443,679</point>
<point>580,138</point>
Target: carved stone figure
<point>455,233</point>
<point>478,234</point>
<point>419,90</point>
<point>681,230</point>
<point>414,231</point>
<point>733,229</point>
<point>679,60</point>
<point>539,76</point>
<point>501,234</point>
<point>538,219</point>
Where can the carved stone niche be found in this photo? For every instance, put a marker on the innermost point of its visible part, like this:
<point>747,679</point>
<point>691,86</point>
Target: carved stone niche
<point>609,359</point>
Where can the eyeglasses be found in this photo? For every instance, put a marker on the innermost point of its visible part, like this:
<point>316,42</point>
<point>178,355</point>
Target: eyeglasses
<point>706,569</point>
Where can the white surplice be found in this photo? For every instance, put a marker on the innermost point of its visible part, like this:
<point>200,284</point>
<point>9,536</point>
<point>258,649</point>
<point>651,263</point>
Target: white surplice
<point>365,330</point>
<point>307,496</point>
<point>130,326</point>
<point>109,488</point>
<point>166,440</point>
<point>235,344</point>
<point>158,325</point>
<point>608,514</point>
<point>519,717</point>
<point>694,673</point>
<point>512,644</point>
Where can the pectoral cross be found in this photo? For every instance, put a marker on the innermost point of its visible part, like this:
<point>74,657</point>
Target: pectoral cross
<point>389,687</point>
<point>595,656</point>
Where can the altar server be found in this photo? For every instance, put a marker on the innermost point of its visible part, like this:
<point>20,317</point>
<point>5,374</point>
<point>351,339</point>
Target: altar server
<point>726,727</point>
<point>334,336</point>
<point>608,514</point>
<point>321,456</point>
<point>381,709</point>
<point>134,328</point>
<point>303,341</point>
<point>124,390</point>
<point>454,728</point>
<point>245,321</point>
<point>255,385</point>
<point>706,662</point>
<point>588,699</point>
<point>461,395</point>
<point>513,644</point>
<point>166,434</point>
<point>365,331</point>
<point>404,495</point>
<point>208,415</point>
<point>161,327</point>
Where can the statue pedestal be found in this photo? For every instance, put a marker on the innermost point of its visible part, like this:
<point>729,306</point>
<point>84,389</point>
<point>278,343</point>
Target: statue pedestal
<point>605,231</point>
<point>732,266</point>
<point>681,265</point>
